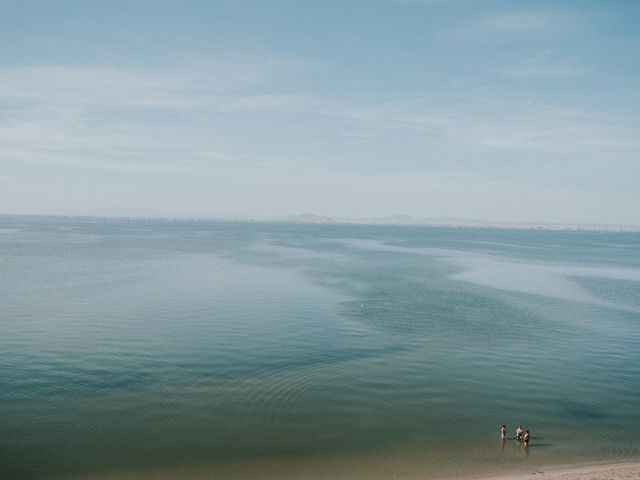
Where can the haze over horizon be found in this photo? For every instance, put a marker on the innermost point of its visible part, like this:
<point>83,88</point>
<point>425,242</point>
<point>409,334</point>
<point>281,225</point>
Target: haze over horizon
<point>493,110</point>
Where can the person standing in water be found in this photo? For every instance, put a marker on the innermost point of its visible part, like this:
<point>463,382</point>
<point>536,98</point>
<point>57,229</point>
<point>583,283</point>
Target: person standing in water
<point>503,432</point>
<point>519,432</point>
<point>526,438</point>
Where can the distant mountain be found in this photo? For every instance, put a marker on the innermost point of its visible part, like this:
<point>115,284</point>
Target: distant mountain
<point>309,218</point>
<point>391,220</point>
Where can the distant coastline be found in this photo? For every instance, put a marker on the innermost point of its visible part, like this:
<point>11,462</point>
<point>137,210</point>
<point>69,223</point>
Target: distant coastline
<point>396,220</point>
<point>405,220</point>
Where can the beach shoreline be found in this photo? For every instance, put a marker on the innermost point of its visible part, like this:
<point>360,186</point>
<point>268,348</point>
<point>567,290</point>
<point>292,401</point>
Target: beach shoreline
<point>620,470</point>
<point>600,471</point>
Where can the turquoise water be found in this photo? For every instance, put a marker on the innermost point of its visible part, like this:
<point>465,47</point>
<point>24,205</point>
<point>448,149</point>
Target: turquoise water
<point>177,349</point>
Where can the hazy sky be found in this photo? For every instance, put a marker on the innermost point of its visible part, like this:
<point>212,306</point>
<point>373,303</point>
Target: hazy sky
<point>494,110</point>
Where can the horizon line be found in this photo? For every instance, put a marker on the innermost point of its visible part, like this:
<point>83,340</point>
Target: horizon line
<point>313,219</point>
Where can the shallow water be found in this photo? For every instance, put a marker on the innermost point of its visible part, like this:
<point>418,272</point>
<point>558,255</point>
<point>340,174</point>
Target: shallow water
<point>136,348</point>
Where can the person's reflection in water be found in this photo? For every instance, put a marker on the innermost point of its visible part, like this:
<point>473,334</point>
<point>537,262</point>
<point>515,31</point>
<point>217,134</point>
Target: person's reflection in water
<point>525,444</point>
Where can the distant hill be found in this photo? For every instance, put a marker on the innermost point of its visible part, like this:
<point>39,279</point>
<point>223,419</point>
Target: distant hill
<point>309,218</point>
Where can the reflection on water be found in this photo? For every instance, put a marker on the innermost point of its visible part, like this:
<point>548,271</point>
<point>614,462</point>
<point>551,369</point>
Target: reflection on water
<point>162,349</point>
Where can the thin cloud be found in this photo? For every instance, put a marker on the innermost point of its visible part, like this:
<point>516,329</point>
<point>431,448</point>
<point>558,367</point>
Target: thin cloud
<point>521,22</point>
<point>510,25</point>
<point>134,120</point>
<point>545,66</point>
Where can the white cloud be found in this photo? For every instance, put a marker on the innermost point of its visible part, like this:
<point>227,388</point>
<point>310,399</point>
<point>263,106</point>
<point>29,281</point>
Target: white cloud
<point>99,116</point>
<point>60,109</point>
<point>268,149</point>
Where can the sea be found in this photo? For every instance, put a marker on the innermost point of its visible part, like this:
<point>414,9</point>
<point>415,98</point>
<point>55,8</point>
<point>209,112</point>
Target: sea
<point>148,348</point>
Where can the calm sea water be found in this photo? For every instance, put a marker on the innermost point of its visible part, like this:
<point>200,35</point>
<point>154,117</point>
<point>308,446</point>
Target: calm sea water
<point>177,349</point>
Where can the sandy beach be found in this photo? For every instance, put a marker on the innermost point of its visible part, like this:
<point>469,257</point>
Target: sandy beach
<point>608,471</point>
<point>616,471</point>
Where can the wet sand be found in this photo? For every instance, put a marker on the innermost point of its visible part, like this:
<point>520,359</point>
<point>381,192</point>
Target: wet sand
<point>609,471</point>
<point>617,471</point>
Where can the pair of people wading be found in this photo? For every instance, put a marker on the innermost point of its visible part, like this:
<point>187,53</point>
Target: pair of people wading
<point>523,435</point>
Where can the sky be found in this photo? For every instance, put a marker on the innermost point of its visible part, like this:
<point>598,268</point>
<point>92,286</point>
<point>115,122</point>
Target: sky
<point>524,111</point>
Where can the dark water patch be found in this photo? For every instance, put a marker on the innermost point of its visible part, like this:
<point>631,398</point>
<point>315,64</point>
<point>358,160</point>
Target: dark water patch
<point>581,411</point>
